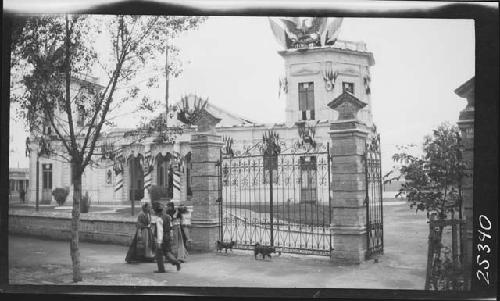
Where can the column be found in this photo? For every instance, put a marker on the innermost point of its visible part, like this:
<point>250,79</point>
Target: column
<point>205,153</point>
<point>148,168</point>
<point>466,125</point>
<point>348,185</point>
<point>176,168</point>
<point>348,144</point>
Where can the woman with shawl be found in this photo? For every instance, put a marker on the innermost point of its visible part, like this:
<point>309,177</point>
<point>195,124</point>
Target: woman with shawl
<point>141,248</point>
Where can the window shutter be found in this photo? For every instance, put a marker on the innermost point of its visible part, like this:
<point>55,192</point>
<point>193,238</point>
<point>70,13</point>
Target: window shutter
<point>302,101</point>
<point>306,96</point>
<point>310,97</point>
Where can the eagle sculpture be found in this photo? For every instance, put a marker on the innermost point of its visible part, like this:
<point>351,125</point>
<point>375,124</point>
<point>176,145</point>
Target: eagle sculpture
<point>299,32</point>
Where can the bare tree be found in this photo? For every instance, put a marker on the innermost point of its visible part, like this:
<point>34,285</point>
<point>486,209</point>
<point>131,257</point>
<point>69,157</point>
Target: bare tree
<point>65,108</point>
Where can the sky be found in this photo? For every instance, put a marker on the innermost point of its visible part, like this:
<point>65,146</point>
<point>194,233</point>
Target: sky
<point>234,62</point>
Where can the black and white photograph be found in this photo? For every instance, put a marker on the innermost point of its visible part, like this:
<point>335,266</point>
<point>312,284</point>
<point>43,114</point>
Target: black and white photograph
<point>227,145</point>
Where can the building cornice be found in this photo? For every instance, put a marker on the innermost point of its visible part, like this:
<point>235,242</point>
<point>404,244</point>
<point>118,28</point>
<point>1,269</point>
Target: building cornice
<point>301,51</point>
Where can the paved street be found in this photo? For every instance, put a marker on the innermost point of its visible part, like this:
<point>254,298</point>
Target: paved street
<point>401,267</point>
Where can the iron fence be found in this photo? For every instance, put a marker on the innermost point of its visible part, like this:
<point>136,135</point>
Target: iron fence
<point>374,199</point>
<point>281,200</point>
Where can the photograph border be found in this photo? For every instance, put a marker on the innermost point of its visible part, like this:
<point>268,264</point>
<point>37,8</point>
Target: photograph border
<point>485,189</point>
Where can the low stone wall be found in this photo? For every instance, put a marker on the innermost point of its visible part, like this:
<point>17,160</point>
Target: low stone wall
<point>113,231</point>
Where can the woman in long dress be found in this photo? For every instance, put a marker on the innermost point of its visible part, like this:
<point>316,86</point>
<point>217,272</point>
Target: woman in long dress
<point>141,248</point>
<point>178,245</point>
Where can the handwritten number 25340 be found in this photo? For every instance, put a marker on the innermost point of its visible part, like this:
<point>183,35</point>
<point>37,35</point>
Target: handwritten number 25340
<point>484,264</point>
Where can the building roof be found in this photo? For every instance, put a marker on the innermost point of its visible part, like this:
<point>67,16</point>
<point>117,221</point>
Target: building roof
<point>228,119</point>
<point>465,88</point>
<point>346,97</point>
<point>18,173</point>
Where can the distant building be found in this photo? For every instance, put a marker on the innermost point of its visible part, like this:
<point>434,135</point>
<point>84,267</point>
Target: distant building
<point>391,189</point>
<point>18,180</point>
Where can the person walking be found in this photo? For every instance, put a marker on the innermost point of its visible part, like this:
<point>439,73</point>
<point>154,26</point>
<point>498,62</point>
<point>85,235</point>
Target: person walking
<point>162,223</point>
<point>178,243</point>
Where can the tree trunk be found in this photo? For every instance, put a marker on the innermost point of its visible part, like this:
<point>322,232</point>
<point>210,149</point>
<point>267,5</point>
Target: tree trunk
<point>454,241</point>
<point>75,223</point>
<point>430,257</point>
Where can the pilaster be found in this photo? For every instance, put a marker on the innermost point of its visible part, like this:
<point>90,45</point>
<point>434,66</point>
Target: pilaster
<point>348,144</point>
<point>466,126</point>
<point>205,153</point>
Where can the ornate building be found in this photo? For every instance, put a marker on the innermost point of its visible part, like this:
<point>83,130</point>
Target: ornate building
<point>319,69</point>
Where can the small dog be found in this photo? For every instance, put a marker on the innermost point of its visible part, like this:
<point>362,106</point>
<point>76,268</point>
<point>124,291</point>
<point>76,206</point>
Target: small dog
<point>264,250</point>
<point>225,245</point>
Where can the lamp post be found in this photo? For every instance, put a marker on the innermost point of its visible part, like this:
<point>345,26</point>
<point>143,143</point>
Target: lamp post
<point>37,180</point>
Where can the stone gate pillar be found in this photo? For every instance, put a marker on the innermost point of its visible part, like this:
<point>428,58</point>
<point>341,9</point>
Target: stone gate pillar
<point>466,125</point>
<point>205,152</point>
<point>348,142</point>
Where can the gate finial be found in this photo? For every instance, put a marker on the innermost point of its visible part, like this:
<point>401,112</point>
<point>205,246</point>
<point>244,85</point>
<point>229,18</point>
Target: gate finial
<point>347,105</point>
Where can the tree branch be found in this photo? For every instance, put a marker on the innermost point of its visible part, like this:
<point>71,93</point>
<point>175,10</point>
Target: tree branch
<point>67,104</point>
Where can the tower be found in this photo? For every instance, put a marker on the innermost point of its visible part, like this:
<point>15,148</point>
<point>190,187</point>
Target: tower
<point>318,68</point>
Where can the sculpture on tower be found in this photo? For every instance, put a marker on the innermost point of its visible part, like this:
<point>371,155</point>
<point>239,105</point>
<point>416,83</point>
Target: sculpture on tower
<point>304,32</point>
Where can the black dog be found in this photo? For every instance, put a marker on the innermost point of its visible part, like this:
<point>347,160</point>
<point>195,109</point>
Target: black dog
<point>264,250</point>
<point>225,245</point>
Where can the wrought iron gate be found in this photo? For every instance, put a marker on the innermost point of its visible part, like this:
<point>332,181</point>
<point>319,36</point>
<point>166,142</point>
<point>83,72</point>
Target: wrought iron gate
<point>373,201</point>
<point>279,199</point>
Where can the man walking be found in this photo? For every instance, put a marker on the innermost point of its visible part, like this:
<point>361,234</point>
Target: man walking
<point>163,245</point>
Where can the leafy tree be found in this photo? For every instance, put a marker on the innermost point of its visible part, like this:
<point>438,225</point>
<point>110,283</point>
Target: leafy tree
<point>433,184</point>
<point>433,180</point>
<point>51,53</point>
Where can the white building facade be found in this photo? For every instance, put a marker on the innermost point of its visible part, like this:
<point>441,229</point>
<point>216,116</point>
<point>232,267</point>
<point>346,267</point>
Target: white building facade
<point>314,77</point>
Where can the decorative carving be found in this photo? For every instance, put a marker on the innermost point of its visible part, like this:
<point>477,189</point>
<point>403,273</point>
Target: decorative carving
<point>366,81</point>
<point>329,76</point>
<point>227,149</point>
<point>283,82</point>
<point>373,145</point>
<point>270,144</point>
<point>304,32</point>
<point>27,152</point>
<point>206,122</point>
<point>305,69</point>
<point>306,134</point>
<point>191,108</point>
<point>347,105</point>
<point>349,71</point>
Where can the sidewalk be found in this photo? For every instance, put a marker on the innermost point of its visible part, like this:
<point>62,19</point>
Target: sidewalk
<point>34,261</point>
<point>104,265</point>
